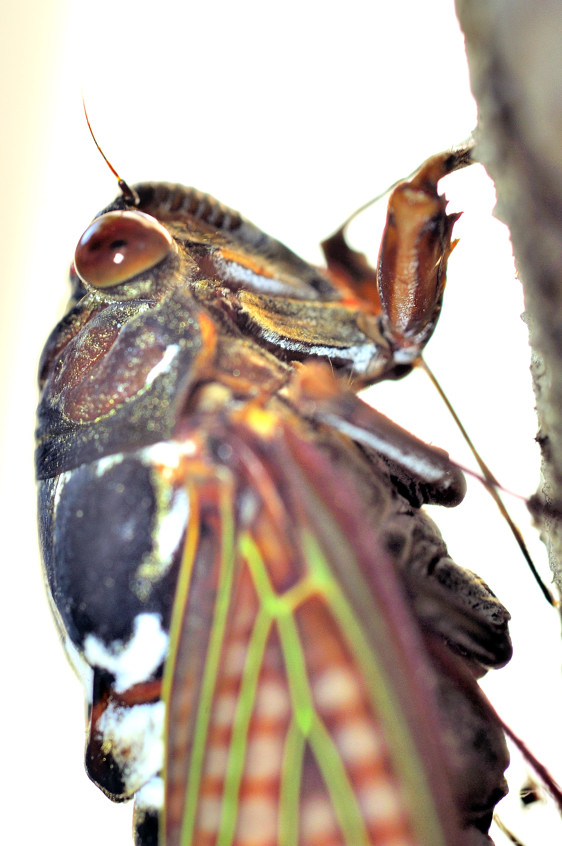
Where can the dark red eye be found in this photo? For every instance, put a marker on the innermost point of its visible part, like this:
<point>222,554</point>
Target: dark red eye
<point>118,246</point>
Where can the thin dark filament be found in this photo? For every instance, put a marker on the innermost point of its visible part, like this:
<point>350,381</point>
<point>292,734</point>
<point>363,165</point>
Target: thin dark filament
<point>549,782</point>
<point>509,834</point>
<point>476,475</point>
<point>492,486</point>
<point>129,194</point>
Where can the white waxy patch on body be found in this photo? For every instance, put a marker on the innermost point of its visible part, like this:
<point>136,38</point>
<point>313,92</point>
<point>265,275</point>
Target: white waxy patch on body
<point>164,364</point>
<point>135,738</point>
<point>168,453</point>
<point>171,519</point>
<point>336,689</point>
<point>164,453</point>
<point>151,795</point>
<point>61,481</point>
<point>171,526</point>
<point>104,464</point>
<point>358,742</point>
<point>132,661</point>
<point>189,448</point>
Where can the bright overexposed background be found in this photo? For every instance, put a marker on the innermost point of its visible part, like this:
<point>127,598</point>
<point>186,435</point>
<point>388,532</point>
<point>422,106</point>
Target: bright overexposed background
<point>295,113</point>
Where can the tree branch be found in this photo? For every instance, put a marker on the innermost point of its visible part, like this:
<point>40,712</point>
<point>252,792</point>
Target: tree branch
<point>514,51</point>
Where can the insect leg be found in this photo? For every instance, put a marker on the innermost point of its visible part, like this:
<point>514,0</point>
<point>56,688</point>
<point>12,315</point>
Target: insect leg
<point>407,286</point>
<point>423,473</point>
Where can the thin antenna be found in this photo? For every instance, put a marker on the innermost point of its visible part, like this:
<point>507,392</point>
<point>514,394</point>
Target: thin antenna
<point>492,485</point>
<point>129,194</point>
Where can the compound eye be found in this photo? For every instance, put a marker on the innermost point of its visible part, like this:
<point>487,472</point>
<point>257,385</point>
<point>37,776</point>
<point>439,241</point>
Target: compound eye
<point>118,246</point>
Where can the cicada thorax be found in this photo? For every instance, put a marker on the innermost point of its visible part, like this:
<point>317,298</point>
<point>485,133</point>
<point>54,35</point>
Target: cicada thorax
<point>234,540</point>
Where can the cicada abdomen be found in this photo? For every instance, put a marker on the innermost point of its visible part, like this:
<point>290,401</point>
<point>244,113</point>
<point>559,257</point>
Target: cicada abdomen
<point>275,645</point>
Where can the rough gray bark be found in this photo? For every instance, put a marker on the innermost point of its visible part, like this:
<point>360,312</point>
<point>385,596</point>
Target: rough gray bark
<point>514,51</point>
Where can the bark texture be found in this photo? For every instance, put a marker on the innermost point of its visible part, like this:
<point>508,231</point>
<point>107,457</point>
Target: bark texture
<point>514,52</point>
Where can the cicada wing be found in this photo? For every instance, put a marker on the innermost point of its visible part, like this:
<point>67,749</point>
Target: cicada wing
<point>298,710</point>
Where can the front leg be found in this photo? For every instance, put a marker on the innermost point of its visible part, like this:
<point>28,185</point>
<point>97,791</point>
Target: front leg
<point>406,289</point>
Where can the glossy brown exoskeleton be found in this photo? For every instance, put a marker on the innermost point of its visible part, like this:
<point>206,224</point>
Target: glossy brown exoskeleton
<point>275,645</point>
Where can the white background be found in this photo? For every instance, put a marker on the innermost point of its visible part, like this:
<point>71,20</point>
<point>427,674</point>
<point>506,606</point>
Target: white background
<point>294,113</point>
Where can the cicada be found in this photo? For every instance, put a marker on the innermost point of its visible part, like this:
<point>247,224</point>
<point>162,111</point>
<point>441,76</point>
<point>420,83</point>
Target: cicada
<point>275,645</point>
